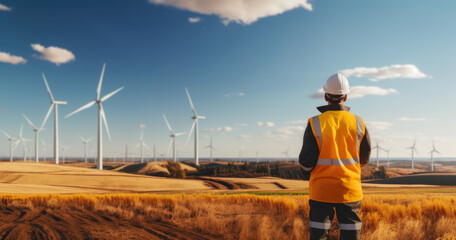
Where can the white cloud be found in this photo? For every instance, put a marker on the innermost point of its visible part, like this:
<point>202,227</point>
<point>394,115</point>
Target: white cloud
<point>393,71</point>
<point>4,8</point>
<point>194,19</point>
<point>244,136</point>
<point>265,124</point>
<point>224,129</point>
<point>378,125</point>
<point>240,94</point>
<point>360,91</point>
<point>286,132</point>
<point>406,119</point>
<point>297,122</point>
<point>241,125</point>
<point>209,130</point>
<point>239,11</point>
<point>8,58</point>
<point>54,54</point>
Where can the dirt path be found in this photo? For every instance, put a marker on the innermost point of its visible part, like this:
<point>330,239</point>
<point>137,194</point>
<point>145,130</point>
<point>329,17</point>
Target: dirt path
<point>22,223</point>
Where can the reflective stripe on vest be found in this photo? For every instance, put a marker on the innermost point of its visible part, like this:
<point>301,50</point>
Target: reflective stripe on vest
<point>317,128</point>
<point>350,226</point>
<point>320,225</point>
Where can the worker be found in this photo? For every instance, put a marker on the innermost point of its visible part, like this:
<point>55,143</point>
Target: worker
<point>336,144</point>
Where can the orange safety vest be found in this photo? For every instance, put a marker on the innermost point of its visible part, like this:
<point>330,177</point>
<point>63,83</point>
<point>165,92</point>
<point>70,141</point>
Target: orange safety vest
<point>337,176</point>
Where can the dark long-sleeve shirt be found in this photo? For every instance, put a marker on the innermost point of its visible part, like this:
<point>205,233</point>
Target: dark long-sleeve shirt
<point>309,153</point>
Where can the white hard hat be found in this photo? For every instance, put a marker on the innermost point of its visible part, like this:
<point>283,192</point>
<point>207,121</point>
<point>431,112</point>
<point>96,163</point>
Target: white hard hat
<point>337,84</point>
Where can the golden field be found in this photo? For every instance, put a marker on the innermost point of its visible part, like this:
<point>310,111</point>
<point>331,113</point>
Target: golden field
<point>210,216</point>
<point>45,201</point>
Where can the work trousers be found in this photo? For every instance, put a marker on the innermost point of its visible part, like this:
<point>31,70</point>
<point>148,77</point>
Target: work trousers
<point>321,215</point>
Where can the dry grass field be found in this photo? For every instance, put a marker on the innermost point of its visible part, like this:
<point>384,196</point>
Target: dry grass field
<point>93,204</point>
<point>210,216</point>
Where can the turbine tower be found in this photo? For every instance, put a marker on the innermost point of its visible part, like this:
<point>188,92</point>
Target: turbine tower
<point>286,155</point>
<point>37,131</point>
<point>211,147</point>
<point>379,148</point>
<point>64,151</point>
<point>85,141</point>
<point>388,156</point>
<point>155,154</point>
<point>432,156</point>
<point>141,141</point>
<point>101,117</point>
<point>23,140</point>
<point>44,150</point>
<point>194,126</point>
<point>10,139</point>
<point>413,150</point>
<point>54,104</point>
<point>256,156</point>
<point>173,138</point>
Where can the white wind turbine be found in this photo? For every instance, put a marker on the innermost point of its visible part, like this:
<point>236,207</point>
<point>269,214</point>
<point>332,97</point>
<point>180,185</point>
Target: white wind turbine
<point>64,151</point>
<point>388,156</point>
<point>85,141</point>
<point>155,154</point>
<point>256,156</point>
<point>173,138</point>
<point>286,154</point>
<point>23,140</point>
<point>12,141</point>
<point>379,148</point>
<point>141,143</point>
<point>211,147</point>
<point>37,131</point>
<point>101,117</point>
<point>194,126</point>
<point>55,105</point>
<point>44,150</point>
<point>413,150</point>
<point>432,156</point>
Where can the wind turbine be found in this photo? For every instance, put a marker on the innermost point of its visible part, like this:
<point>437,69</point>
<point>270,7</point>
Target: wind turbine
<point>173,138</point>
<point>23,140</point>
<point>126,153</point>
<point>101,117</point>
<point>10,139</point>
<point>37,131</point>
<point>162,155</point>
<point>55,105</point>
<point>141,141</point>
<point>194,126</point>
<point>44,150</point>
<point>413,150</point>
<point>211,147</point>
<point>85,141</point>
<point>256,156</point>
<point>379,148</point>
<point>388,155</point>
<point>64,151</point>
<point>155,154</point>
<point>286,155</point>
<point>432,156</point>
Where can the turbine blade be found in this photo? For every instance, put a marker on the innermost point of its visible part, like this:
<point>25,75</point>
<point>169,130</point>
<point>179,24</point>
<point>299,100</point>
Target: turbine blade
<point>81,108</point>
<point>191,103</point>
<point>100,82</point>
<point>47,87</point>
<point>84,140</point>
<point>111,94</point>
<point>181,133</point>
<point>30,122</point>
<point>47,116</point>
<point>103,116</point>
<point>6,134</point>
<point>15,144</point>
<point>191,130</point>
<point>141,137</point>
<point>20,132</point>
<point>167,123</point>
<point>437,152</point>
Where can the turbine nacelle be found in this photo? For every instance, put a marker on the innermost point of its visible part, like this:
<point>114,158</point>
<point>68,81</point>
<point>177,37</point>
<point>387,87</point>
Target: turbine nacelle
<point>198,117</point>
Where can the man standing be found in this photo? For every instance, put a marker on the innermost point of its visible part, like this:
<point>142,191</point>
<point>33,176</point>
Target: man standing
<point>336,144</point>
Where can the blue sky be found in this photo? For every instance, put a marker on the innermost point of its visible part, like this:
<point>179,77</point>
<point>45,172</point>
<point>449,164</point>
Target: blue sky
<point>251,67</point>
